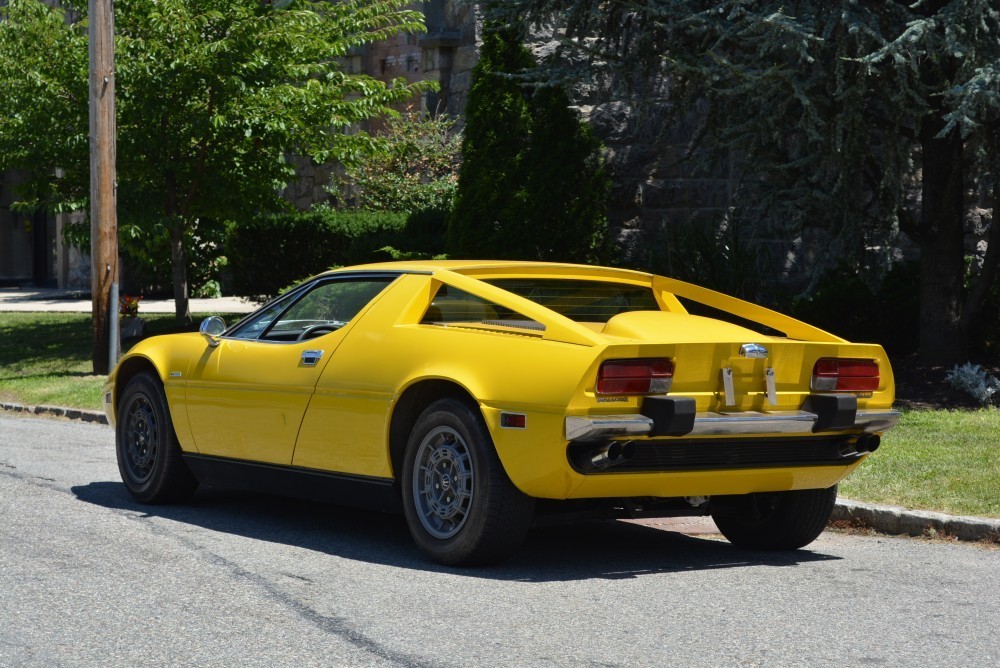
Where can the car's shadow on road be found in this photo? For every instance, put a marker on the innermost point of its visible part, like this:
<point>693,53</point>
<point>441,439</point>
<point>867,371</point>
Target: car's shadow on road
<point>580,551</point>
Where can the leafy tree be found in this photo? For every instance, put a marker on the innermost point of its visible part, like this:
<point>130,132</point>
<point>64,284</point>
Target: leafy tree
<point>418,171</point>
<point>533,183</point>
<point>862,118</point>
<point>44,117</point>
<point>212,97</point>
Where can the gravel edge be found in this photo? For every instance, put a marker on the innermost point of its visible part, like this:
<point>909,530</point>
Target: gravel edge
<point>893,520</point>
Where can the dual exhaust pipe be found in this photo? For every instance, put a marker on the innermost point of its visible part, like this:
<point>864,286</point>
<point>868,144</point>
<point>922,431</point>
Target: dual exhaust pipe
<point>611,454</point>
<point>868,443</point>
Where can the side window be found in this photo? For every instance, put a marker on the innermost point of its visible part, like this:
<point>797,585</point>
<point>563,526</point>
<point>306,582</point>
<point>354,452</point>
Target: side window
<point>252,329</point>
<point>452,305</point>
<point>326,307</point>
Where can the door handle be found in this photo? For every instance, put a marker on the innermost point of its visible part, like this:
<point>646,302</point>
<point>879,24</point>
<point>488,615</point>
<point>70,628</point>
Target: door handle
<point>311,357</point>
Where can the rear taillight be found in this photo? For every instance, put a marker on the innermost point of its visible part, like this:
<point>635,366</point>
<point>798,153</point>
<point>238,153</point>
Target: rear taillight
<point>639,376</point>
<point>834,374</point>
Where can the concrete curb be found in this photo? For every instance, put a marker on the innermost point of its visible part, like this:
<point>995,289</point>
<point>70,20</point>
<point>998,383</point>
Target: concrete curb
<point>897,520</point>
<point>78,414</point>
<point>884,519</point>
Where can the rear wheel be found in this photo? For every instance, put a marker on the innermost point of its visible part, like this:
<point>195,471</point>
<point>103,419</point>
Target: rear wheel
<point>774,520</point>
<point>149,457</point>
<point>460,506</point>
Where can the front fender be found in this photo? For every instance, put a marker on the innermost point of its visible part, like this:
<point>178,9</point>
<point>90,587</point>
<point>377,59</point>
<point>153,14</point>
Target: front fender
<point>170,359</point>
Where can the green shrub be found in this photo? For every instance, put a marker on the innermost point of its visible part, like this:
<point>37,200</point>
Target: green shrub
<point>417,171</point>
<point>269,253</point>
<point>725,257</point>
<point>273,252</point>
<point>144,247</point>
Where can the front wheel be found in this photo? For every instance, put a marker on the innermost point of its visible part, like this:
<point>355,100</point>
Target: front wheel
<point>774,520</point>
<point>460,506</point>
<point>149,457</point>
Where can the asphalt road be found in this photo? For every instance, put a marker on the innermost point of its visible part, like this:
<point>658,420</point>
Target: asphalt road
<point>88,577</point>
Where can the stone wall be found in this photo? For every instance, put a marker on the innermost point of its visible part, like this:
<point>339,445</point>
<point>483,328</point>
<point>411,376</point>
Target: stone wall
<point>654,186</point>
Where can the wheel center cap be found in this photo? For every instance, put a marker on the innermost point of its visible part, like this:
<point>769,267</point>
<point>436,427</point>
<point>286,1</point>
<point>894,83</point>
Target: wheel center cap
<point>445,481</point>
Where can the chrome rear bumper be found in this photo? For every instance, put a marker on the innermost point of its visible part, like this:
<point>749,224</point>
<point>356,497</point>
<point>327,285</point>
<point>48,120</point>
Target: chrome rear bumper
<point>595,427</point>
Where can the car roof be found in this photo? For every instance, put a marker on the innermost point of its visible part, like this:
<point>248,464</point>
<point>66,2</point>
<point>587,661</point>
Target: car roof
<point>506,267</point>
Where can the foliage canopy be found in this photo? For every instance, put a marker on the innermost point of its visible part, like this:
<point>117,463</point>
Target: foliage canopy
<point>212,97</point>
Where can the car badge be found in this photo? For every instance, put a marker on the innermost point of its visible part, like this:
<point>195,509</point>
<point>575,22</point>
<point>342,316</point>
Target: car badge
<point>753,351</point>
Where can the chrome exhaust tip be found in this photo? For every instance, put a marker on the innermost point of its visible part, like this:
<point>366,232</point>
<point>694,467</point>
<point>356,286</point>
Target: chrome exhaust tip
<point>612,454</point>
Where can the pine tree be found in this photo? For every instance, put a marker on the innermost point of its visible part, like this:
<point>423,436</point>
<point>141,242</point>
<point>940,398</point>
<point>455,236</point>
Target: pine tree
<point>533,184</point>
<point>493,144</point>
<point>566,184</point>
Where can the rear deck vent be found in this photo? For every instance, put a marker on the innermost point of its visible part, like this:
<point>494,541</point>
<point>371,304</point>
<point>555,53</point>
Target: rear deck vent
<point>516,324</point>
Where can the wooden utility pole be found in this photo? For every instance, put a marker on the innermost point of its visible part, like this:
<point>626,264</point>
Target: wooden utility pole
<point>103,205</point>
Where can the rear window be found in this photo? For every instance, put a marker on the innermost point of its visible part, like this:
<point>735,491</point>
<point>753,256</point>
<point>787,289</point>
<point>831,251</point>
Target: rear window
<point>582,301</point>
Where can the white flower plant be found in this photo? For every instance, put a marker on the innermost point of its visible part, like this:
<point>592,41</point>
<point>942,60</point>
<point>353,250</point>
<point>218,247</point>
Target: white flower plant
<point>973,380</point>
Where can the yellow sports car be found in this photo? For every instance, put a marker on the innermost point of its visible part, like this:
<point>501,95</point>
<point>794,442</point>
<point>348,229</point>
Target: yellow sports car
<point>478,396</point>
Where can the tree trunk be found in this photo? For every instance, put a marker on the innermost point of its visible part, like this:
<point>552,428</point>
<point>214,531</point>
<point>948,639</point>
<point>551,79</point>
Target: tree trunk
<point>942,250</point>
<point>178,262</point>
<point>972,310</point>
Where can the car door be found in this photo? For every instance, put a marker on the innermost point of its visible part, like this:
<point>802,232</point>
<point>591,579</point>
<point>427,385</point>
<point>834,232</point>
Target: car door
<point>246,395</point>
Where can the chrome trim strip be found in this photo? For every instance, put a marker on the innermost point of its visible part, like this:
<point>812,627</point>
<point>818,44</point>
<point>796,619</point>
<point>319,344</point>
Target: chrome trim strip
<point>601,426</point>
<point>772,392</point>
<point>597,427</point>
<point>877,420</point>
<point>752,422</point>
<point>727,386</point>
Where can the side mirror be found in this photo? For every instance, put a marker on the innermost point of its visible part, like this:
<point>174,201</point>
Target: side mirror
<point>212,328</point>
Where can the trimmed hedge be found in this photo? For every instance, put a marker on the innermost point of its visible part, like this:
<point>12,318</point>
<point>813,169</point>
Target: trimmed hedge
<point>270,253</point>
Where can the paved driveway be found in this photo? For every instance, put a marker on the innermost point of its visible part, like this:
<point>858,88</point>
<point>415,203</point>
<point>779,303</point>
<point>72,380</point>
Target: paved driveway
<point>88,577</point>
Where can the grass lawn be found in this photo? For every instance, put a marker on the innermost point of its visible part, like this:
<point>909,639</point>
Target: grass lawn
<point>45,358</point>
<point>935,460</point>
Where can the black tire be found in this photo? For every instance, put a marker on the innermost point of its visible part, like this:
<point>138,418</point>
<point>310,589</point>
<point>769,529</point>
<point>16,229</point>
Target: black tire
<point>149,457</point>
<point>460,506</point>
<point>775,520</point>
